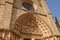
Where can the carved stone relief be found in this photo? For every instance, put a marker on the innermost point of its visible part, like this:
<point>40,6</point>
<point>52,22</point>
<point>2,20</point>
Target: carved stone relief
<point>31,23</point>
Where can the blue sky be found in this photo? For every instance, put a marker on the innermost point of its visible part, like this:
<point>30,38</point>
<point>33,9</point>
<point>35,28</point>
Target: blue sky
<point>54,6</point>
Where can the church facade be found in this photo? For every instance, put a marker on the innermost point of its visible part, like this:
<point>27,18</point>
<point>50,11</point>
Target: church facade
<point>26,20</point>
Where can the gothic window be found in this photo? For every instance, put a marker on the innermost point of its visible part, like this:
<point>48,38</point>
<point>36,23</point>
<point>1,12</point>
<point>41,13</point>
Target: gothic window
<point>28,6</point>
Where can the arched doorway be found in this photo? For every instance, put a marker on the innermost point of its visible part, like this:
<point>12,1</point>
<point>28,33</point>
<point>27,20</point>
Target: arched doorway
<point>30,25</point>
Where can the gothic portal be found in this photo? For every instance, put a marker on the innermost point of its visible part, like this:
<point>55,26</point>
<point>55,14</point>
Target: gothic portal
<point>26,20</point>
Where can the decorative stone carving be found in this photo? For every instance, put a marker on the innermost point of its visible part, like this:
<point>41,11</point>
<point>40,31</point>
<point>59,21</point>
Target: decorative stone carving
<point>27,22</point>
<point>30,23</point>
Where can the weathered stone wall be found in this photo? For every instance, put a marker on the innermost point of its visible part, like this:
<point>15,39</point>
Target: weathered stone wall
<point>6,11</point>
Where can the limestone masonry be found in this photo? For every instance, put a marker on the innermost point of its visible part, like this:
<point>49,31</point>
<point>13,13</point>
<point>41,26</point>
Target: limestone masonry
<point>27,20</point>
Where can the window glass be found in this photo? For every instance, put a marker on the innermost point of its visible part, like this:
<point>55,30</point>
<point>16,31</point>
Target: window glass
<point>28,6</point>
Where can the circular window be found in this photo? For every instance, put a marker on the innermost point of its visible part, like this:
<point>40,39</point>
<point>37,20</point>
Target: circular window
<point>28,6</point>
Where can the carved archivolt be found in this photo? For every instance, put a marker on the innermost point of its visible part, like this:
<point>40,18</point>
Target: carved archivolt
<point>31,24</point>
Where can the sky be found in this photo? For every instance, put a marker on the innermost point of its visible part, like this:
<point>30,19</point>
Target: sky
<point>54,6</point>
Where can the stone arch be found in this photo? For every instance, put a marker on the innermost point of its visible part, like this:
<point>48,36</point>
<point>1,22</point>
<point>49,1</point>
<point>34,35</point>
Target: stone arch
<point>30,23</point>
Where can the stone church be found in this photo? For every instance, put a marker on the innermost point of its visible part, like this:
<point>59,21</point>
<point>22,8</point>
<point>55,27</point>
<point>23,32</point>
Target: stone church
<point>27,20</point>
